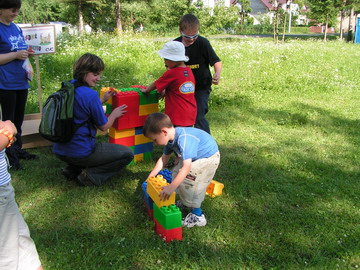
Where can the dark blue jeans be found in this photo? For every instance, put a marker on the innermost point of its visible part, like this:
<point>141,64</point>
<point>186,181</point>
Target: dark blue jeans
<point>13,108</point>
<point>105,161</point>
<point>202,100</point>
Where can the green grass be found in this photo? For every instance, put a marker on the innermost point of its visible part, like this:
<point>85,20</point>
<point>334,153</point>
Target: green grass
<point>286,118</point>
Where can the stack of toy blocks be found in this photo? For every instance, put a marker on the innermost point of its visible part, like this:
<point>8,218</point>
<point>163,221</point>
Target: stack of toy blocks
<point>127,129</point>
<point>166,215</point>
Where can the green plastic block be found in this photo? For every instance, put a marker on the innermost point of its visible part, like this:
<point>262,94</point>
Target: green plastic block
<point>148,156</point>
<point>168,216</point>
<point>149,98</point>
<point>108,109</point>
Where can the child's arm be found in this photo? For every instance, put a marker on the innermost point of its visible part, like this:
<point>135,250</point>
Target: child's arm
<point>149,88</point>
<point>217,70</point>
<point>183,172</point>
<point>162,161</point>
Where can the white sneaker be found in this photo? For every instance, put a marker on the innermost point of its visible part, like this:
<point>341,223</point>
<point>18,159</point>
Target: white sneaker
<point>192,220</point>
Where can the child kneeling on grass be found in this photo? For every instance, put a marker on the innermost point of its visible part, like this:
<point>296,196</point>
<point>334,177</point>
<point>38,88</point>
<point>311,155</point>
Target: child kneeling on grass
<point>199,159</point>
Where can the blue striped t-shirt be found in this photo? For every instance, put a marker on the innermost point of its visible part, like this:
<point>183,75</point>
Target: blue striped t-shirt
<point>4,174</point>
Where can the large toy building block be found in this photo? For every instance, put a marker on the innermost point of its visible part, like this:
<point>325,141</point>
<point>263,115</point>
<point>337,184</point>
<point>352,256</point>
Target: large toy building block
<point>148,109</point>
<point>131,118</point>
<point>116,134</point>
<point>168,216</point>
<point>143,148</point>
<point>167,175</point>
<point>168,235</point>
<point>127,141</point>
<point>154,187</point>
<point>149,204</point>
<point>214,189</point>
<point>141,139</point>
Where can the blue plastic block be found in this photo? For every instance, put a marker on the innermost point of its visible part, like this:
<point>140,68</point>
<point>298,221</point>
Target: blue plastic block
<point>167,174</point>
<point>143,148</point>
<point>149,202</point>
<point>138,130</point>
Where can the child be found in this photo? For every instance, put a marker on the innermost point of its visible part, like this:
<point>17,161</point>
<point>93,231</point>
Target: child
<point>89,162</point>
<point>201,55</point>
<point>199,158</point>
<point>17,249</point>
<point>179,85</point>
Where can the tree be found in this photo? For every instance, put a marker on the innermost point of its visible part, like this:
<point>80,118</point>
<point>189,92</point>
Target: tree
<point>86,10</point>
<point>245,9</point>
<point>40,11</point>
<point>324,11</point>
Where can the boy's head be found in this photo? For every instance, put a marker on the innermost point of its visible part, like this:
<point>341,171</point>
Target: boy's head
<point>159,128</point>
<point>189,27</point>
<point>173,53</point>
<point>87,69</point>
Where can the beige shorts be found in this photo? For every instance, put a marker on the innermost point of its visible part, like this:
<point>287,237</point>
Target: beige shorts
<point>17,249</point>
<point>192,190</point>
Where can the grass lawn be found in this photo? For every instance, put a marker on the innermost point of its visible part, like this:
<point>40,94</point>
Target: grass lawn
<point>286,118</point>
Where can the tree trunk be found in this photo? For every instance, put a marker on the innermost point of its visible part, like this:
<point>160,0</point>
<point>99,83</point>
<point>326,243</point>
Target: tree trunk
<point>118,28</point>
<point>350,19</point>
<point>341,24</point>
<point>283,37</point>
<point>326,26</point>
<point>81,18</point>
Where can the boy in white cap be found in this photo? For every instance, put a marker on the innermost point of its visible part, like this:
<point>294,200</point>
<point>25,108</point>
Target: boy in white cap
<point>177,84</point>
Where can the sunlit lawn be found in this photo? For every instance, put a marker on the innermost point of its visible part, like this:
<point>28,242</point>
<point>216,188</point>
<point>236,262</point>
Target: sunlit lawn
<point>286,119</point>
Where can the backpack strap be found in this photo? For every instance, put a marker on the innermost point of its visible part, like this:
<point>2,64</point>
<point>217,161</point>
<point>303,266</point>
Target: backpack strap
<point>89,121</point>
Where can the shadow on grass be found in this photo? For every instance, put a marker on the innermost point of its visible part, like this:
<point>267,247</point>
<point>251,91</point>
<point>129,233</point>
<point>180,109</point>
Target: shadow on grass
<point>286,205</point>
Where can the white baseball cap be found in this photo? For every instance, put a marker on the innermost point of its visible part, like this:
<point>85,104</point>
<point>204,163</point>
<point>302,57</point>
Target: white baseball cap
<point>174,51</point>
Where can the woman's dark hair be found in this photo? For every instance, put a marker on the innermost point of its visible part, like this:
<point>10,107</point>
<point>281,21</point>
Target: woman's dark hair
<point>85,64</point>
<point>5,4</point>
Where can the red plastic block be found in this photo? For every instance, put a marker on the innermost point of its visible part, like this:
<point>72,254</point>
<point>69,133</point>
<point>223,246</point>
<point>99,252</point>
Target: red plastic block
<point>168,235</point>
<point>149,211</point>
<point>127,141</point>
<point>131,118</point>
<point>139,86</point>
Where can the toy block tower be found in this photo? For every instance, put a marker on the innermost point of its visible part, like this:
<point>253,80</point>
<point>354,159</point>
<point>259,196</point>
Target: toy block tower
<point>127,129</point>
<point>166,215</point>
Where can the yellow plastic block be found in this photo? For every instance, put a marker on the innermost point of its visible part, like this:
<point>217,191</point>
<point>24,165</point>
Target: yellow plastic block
<point>140,139</point>
<point>117,134</point>
<point>139,157</point>
<point>148,109</point>
<point>154,187</point>
<point>214,189</point>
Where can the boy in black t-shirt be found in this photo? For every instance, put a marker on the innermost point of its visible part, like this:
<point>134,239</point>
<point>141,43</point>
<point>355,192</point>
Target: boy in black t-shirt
<point>201,56</point>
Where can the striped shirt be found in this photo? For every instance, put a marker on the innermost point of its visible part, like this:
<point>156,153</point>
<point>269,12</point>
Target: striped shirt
<point>4,174</point>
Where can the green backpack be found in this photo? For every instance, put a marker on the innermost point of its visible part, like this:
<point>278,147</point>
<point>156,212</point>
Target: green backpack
<point>57,119</point>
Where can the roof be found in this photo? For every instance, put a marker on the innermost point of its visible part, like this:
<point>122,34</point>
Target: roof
<point>269,5</point>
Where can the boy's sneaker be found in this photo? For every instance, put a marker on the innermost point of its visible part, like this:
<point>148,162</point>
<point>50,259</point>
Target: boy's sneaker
<point>192,220</point>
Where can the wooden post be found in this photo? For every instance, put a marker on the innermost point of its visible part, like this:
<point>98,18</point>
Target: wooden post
<point>38,81</point>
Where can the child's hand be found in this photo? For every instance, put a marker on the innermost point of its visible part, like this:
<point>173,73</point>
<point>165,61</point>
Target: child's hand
<point>216,78</point>
<point>119,111</point>
<point>166,192</point>
<point>9,126</point>
<point>108,94</point>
